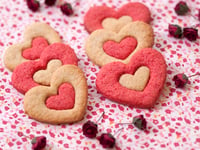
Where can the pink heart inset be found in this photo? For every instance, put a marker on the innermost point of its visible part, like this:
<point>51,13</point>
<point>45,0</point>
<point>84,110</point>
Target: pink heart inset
<point>64,100</point>
<point>107,82</point>
<point>34,52</point>
<point>120,50</point>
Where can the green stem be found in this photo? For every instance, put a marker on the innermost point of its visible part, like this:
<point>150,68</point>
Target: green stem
<point>100,116</point>
<point>118,131</point>
<point>194,75</point>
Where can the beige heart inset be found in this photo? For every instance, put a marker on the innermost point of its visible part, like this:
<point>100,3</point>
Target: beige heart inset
<point>136,82</point>
<point>43,77</point>
<point>115,25</point>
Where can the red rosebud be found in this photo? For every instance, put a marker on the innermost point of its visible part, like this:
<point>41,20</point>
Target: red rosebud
<point>180,80</point>
<point>50,2</point>
<point>38,142</point>
<point>33,5</point>
<point>89,129</point>
<point>66,8</point>
<point>175,31</point>
<point>181,8</point>
<point>140,122</point>
<point>190,33</point>
<point>107,140</point>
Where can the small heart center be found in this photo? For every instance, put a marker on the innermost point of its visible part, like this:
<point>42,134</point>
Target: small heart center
<point>138,81</point>
<point>43,77</point>
<point>64,100</point>
<point>120,50</point>
<point>38,45</point>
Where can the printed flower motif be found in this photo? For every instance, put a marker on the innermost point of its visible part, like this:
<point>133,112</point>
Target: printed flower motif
<point>107,140</point>
<point>140,122</point>
<point>38,142</point>
<point>66,8</point>
<point>50,2</point>
<point>175,31</point>
<point>33,5</point>
<point>90,129</point>
<point>190,33</point>
<point>181,8</point>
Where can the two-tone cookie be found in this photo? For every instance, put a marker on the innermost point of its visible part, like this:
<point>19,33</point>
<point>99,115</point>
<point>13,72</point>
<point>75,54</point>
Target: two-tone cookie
<point>37,36</point>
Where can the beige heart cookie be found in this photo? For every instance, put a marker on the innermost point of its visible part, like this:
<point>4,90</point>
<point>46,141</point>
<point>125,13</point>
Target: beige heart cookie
<point>115,25</point>
<point>43,77</point>
<point>34,100</point>
<point>136,82</point>
<point>141,31</point>
<point>13,54</point>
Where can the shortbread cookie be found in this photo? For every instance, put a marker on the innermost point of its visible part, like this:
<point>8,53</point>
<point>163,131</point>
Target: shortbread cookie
<point>36,37</point>
<point>96,14</point>
<point>35,98</point>
<point>108,79</point>
<point>96,44</point>
<point>28,74</point>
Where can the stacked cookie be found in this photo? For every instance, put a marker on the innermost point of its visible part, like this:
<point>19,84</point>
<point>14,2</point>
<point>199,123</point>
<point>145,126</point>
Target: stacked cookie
<point>46,71</point>
<point>120,42</point>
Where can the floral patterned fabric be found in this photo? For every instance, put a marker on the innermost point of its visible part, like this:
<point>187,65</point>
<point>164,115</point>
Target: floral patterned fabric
<point>172,124</point>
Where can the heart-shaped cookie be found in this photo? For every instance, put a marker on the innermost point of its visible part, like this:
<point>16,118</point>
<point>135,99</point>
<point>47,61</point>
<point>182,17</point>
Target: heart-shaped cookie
<point>22,77</point>
<point>96,14</point>
<point>141,31</point>
<point>14,54</point>
<point>34,99</point>
<point>107,82</point>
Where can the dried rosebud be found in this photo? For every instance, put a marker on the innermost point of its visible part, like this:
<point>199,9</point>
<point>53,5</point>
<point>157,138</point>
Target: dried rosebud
<point>175,31</point>
<point>89,129</point>
<point>107,140</point>
<point>180,80</point>
<point>33,5</point>
<point>140,122</point>
<point>190,33</point>
<point>50,2</point>
<point>66,8</point>
<point>38,142</point>
<point>181,8</point>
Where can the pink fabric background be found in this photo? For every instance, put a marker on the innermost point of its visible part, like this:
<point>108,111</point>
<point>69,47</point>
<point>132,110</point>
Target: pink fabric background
<point>172,124</point>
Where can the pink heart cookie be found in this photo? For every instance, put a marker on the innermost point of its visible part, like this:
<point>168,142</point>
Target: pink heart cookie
<point>107,82</point>
<point>95,15</point>
<point>22,77</point>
